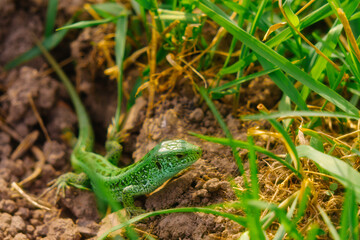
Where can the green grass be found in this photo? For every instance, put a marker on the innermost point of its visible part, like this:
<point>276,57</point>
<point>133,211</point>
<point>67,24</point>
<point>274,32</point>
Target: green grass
<point>316,78</point>
<point>315,153</point>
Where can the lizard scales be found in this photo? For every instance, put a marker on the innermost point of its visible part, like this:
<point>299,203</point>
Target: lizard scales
<point>122,184</point>
<point>109,182</point>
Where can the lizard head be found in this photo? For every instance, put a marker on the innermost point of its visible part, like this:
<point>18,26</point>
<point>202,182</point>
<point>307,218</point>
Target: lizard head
<point>175,155</point>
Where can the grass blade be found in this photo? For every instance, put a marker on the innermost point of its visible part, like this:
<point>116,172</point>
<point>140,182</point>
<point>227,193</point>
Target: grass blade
<point>290,146</point>
<point>253,215</point>
<point>235,82</point>
<point>120,40</point>
<point>246,145</point>
<point>167,15</point>
<point>281,231</point>
<point>289,226</point>
<point>292,114</point>
<point>233,217</point>
<point>313,232</point>
<point>349,217</point>
<point>222,124</point>
<point>266,52</point>
<point>329,224</point>
<point>283,83</point>
<point>90,23</point>
<point>50,17</point>
<point>109,9</point>
<point>340,170</point>
<point>49,43</point>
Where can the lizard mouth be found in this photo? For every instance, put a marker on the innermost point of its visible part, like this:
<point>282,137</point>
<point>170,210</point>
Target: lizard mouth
<point>190,159</point>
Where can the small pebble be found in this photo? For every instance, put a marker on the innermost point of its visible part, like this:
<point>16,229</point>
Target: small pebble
<point>197,115</point>
<point>170,119</point>
<point>207,123</point>
<point>8,206</point>
<point>5,220</point>
<point>5,174</point>
<point>4,138</point>
<point>18,223</point>
<point>20,236</point>
<point>63,229</point>
<point>55,153</point>
<point>12,231</point>
<point>23,212</point>
<point>35,222</point>
<point>87,228</point>
<point>30,228</point>
<point>41,230</point>
<point>201,193</point>
<point>48,216</point>
<point>38,214</point>
<point>214,184</point>
<point>5,150</point>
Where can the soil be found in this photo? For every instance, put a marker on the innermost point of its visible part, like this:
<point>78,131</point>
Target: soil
<point>75,216</point>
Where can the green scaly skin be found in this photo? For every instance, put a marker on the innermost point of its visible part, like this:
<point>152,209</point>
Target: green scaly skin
<point>109,182</point>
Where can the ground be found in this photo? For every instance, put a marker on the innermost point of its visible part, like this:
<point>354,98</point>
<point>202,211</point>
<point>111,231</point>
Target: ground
<point>29,90</point>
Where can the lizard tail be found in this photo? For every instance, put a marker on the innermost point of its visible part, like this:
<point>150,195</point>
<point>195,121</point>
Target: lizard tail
<point>85,140</point>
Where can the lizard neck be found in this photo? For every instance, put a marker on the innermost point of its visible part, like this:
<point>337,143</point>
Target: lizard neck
<point>94,165</point>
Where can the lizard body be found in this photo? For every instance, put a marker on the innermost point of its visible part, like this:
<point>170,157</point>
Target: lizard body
<point>122,184</point>
<point>109,182</point>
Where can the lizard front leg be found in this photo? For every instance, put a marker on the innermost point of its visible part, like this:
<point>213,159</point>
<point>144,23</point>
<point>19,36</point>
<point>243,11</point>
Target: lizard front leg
<point>113,151</point>
<point>80,181</point>
<point>128,194</point>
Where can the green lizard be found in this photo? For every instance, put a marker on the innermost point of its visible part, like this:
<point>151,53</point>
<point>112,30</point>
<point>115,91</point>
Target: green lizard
<point>109,182</point>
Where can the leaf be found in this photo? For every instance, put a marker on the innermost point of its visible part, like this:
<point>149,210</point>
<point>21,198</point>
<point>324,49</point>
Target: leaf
<point>224,127</point>
<point>313,232</point>
<point>273,28</point>
<point>90,23</point>
<point>253,215</point>
<point>280,233</point>
<point>288,225</point>
<point>145,4</point>
<point>241,144</point>
<point>120,41</point>
<point>290,14</point>
<point>349,217</point>
<point>284,83</point>
<point>233,68</point>
<point>332,229</point>
<point>287,114</point>
<point>167,15</point>
<point>340,170</point>
<point>236,7</point>
<point>109,9</point>
<point>50,17</point>
<point>208,210</point>
<point>266,52</point>
<point>290,146</point>
<point>238,81</point>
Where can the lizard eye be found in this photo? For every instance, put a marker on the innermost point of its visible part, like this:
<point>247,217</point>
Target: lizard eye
<point>180,155</point>
<point>158,165</point>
